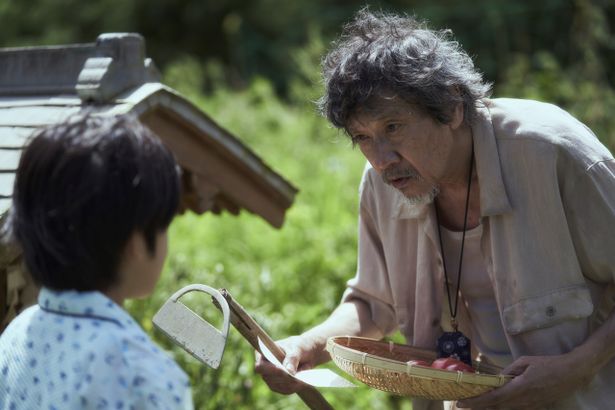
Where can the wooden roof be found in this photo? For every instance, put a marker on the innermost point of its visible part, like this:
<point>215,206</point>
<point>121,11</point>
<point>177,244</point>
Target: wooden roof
<point>220,172</point>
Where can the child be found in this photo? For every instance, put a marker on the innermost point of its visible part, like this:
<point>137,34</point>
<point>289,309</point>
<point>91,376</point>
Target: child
<point>92,202</point>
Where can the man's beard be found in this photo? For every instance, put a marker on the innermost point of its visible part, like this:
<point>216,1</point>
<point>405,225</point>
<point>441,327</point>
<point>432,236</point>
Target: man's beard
<point>423,199</point>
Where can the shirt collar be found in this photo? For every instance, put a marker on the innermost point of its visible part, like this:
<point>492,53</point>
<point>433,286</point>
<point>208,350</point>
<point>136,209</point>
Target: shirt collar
<point>493,197</point>
<point>88,305</point>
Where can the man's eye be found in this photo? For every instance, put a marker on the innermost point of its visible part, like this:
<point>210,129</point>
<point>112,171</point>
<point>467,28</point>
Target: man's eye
<point>359,138</point>
<point>392,127</point>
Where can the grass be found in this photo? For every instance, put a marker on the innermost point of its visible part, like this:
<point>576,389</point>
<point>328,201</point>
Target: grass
<point>288,279</point>
<point>291,279</point>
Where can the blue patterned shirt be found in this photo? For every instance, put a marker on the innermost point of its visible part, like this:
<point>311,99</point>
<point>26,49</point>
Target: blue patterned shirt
<point>80,350</point>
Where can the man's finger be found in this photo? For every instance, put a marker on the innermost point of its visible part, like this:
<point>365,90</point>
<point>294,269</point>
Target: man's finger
<point>291,361</point>
<point>286,386</point>
<point>265,367</point>
<point>516,368</point>
<point>281,382</point>
<point>490,399</point>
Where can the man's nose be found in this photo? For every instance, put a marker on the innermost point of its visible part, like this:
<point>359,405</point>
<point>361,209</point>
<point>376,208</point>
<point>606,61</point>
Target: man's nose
<point>384,154</point>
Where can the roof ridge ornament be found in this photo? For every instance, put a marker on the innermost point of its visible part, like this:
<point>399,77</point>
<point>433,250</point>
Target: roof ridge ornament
<point>119,64</point>
<point>94,71</point>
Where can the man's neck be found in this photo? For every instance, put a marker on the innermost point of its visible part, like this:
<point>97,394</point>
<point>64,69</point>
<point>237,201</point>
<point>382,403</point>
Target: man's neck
<point>451,200</point>
<point>451,205</point>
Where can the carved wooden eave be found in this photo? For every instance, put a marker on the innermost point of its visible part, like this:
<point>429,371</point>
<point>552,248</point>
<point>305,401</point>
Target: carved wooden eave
<point>41,86</point>
<point>222,172</point>
<point>44,85</point>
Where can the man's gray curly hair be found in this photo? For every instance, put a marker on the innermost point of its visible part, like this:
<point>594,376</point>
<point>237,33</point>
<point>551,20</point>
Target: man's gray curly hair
<point>380,53</point>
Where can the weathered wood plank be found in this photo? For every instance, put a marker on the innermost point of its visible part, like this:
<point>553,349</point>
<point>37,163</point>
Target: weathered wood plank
<point>6,183</point>
<point>35,116</point>
<point>15,137</point>
<point>5,204</point>
<point>38,100</point>
<point>9,159</point>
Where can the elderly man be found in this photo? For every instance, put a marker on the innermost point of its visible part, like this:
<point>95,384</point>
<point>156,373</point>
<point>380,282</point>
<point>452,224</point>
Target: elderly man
<point>495,215</point>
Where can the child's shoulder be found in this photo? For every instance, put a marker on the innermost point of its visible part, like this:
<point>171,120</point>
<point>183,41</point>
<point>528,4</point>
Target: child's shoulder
<point>151,372</point>
<point>17,330</point>
<point>144,356</point>
<point>98,355</point>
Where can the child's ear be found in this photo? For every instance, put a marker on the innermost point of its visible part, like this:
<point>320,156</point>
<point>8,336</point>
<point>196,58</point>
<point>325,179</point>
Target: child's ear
<point>136,248</point>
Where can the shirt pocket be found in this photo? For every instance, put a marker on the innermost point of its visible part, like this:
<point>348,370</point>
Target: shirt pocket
<point>570,303</point>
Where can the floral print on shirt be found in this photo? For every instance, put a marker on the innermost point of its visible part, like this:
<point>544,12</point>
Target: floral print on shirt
<point>80,350</point>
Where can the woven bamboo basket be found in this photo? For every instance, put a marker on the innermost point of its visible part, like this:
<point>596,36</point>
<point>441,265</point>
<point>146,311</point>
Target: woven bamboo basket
<point>384,366</point>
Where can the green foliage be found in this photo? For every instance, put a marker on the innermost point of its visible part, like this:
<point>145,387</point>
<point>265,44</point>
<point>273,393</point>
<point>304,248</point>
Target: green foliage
<point>540,77</point>
<point>583,86</point>
<point>288,279</point>
<point>234,59</point>
<point>291,279</point>
<point>259,37</point>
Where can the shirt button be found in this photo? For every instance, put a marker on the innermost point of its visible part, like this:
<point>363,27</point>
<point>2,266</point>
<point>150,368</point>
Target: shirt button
<point>550,311</point>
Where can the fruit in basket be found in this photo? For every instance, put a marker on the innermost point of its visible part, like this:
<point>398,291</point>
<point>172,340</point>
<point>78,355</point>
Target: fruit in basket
<point>443,363</point>
<point>461,366</point>
<point>448,363</point>
<point>418,363</point>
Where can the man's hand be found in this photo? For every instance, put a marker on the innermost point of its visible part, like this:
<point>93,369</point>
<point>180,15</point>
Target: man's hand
<point>540,380</point>
<point>301,354</point>
<point>304,352</point>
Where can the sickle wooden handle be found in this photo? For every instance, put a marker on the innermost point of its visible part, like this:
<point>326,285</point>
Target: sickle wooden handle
<point>251,331</point>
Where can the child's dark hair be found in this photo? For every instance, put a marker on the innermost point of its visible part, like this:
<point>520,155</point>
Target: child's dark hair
<point>82,189</point>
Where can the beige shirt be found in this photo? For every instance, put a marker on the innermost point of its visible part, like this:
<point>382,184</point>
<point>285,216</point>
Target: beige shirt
<point>476,294</point>
<point>547,192</point>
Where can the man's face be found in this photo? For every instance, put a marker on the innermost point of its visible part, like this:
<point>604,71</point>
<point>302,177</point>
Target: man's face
<point>408,148</point>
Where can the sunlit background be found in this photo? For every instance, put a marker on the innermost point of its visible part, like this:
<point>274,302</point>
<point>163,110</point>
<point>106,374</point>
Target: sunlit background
<point>253,66</point>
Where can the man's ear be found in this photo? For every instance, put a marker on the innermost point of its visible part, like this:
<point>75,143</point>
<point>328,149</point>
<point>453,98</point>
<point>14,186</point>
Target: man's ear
<point>458,111</point>
<point>458,114</point>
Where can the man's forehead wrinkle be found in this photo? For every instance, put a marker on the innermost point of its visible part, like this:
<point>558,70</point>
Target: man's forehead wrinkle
<point>364,115</point>
<point>357,123</point>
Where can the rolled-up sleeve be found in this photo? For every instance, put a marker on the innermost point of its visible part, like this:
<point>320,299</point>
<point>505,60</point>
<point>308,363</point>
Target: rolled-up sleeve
<point>590,208</point>
<point>371,282</point>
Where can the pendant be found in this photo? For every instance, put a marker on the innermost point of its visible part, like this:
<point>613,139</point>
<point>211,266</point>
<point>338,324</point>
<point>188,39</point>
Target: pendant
<point>456,345</point>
